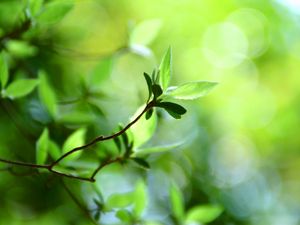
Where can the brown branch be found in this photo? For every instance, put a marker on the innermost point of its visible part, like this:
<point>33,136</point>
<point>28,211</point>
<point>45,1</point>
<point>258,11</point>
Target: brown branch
<point>49,167</point>
<point>103,138</point>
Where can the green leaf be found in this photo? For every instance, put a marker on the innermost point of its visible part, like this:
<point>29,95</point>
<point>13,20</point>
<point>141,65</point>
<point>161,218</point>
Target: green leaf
<point>192,90</point>
<point>156,149</point>
<point>173,109</point>
<point>124,215</point>
<point>204,213</point>
<point>141,162</point>
<point>149,85</point>
<point>119,200</point>
<point>165,69</point>
<point>101,72</point>
<point>144,129</point>
<point>140,198</point>
<point>54,12</point>
<point>20,49</point>
<point>145,32</point>
<point>157,91</point>
<point>20,88</point>
<point>34,6</point>
<point>3,70</point>
<point>47,95</point>
<point>42,147</point>
<point>76,139</point>
<point>54,150</point>
<point>177,203</point>
<point>149,113</point>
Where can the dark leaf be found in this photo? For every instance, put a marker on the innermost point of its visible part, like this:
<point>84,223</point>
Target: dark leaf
<point>149,84</point>
<point>157,91</point>
<point>173,107</point>
<point>141,162</point>
<point>149,114</point>
<point>118,143</point>
<point>124,137</point>
<point>97,215</point>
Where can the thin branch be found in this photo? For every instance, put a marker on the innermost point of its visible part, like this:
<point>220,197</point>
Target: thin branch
<point>103,165</point>
<point>49,167</point>
<point>103,138</point>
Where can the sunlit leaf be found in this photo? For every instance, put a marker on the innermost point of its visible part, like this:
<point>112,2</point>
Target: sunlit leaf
<point>156,149</point>
<point>46,94</point>
<point>145,32</point>
<point>54,12</point>
<point>20,88</point>
<point>54,150</point>
<point>76,139</point>
<point>34,6</point>
<point>20,49</point>
<point>192,90</point>
<point>119,200</point>
<point>42,147</point>
<point>141,162</point>
<point>140,199</point>
<point>101,72</point>
<point>177,203</point>
<point>144,129</point>
<point>165,69</point>
<point>124,215</point>
<point>204,213</point>
<point>3,70</point>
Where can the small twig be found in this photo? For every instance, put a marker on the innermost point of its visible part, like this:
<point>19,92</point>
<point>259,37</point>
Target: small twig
<point>103,138</point>
<point>49,167</point>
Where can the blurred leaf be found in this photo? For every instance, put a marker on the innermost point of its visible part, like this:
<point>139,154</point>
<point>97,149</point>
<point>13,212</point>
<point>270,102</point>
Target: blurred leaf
<point>192,90</point>
<point>177,203</point>
<point>34,6</point>
<point>143,130</point>
<point>141,50</point>
<point>76,139</point>
<point>101,72</point>
<point>156,149</point>
<point>145,32</point>
<point>140,198</point>
<point>204,213</point>
<point>76,117</point>
<point>149,85</point>
<point>141,162</point>
<point>173,109</point>
<point>119,200</point>
<point>20,49</point>
<point>97,215</point>
<point>54,12</point>
<point>3,70</point>
<point>124,215</point>
<point>165,69</point>
<point>46,94</point>
<point>54,150</point>
<point>157,91</point>
<point>117,143</point>
<point>20,88</point>
<point>42,147</point>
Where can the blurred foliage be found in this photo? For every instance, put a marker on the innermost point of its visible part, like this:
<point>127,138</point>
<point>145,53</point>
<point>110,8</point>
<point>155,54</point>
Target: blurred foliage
<point>73,69</point>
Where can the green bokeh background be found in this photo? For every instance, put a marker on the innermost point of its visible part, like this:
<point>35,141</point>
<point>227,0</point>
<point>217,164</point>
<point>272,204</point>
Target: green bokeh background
<point>242,144</point>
